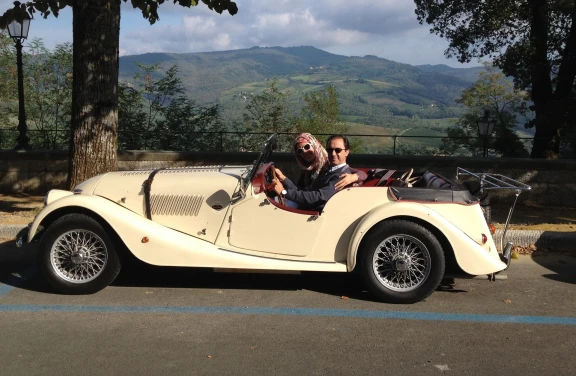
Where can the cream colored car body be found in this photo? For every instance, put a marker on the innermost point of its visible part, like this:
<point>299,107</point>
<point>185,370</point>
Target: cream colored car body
<point>200,218</point>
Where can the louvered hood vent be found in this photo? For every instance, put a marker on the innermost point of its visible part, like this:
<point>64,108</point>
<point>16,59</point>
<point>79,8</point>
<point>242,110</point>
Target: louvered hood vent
<point>178,170</point>
<point>176,205</point>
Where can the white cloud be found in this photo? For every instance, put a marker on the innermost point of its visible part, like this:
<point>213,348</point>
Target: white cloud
<point>386,28</point>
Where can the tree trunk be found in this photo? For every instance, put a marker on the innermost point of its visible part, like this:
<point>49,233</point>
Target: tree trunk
<point>94,140</point>
<point>546,143</point>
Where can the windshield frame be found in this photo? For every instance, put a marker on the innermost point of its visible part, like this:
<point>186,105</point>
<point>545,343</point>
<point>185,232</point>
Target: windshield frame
<point>263,157</point>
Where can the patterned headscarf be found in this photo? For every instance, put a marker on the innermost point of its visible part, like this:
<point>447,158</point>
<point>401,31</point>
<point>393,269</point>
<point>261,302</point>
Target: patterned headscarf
<point>320,153</point>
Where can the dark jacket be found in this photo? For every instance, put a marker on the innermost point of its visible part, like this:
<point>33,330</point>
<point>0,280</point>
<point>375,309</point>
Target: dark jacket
<point>322,188</point>
<point>306,177</point>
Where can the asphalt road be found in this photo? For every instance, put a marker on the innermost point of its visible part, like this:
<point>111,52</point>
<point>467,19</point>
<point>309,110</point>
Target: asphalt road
<point>196,322</point>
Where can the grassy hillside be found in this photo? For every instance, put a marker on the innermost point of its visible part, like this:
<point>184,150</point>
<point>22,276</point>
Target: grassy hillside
<point>372,91</point>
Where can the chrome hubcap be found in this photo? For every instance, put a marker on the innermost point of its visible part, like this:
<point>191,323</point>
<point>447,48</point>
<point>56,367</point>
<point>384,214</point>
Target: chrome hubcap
<point>401,263</point>
<point>78,256</point>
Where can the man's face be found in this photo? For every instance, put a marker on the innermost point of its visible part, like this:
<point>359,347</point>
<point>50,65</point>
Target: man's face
<point>335,158</point>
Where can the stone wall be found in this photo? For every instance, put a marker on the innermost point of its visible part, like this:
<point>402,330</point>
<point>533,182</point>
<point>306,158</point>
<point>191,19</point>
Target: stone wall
<point>553,181</point>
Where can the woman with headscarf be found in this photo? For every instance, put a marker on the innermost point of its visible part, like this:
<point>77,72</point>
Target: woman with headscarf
<point>312,158</point>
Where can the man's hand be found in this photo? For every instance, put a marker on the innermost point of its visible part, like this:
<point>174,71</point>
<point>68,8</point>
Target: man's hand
<point>279,174</point>
<point>345,180</point>
<point>277,186</point>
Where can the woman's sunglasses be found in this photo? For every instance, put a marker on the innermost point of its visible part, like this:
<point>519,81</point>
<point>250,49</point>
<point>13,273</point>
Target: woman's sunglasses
<point>303,149</point>
<point>337,150</point>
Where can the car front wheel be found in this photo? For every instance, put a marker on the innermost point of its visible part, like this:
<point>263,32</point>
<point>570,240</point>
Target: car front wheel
<point>402,262</point>
<point>78,256</point>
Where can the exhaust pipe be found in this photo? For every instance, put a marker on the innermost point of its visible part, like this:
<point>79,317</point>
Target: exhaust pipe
<point>507,254</point>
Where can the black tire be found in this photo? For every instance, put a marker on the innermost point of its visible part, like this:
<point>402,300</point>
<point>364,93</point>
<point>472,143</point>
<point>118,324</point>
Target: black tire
<point>426,249</point>
<point>92,265</point>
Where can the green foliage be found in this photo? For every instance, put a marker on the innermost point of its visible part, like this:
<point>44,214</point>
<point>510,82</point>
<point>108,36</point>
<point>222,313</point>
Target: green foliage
<point>321,115</point>
<point>532,41</point>
<point>155,114</point>
<point>378,90</point>
<point>496,95</point>
<point>149,8</point>
<point>8,89</point>
<point>48,94</point>
<point>265,112</point>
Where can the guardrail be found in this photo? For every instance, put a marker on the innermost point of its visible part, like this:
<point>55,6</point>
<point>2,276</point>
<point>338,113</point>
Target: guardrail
<point>229,141</point>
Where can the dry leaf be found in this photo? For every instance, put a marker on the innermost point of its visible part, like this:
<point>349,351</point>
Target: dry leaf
<point>344,297</point>
<point>209,356</point>
<point>507,301</point>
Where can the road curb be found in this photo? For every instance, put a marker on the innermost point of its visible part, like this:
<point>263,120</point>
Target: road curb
<point>10,231</point>
<point>542,239</point>
<point>523,238</point>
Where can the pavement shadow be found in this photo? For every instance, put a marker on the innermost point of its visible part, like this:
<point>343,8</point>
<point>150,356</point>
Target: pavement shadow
<point>562,264</point>
<point>18,268</point>
<point>344,285</point>
<point>138,274</point>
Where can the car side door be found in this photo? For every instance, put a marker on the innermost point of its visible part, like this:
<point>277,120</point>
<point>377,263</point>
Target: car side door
<point>261,224</point>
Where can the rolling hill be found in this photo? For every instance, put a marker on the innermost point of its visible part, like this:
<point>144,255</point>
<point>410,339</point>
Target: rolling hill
<point>372,90</point>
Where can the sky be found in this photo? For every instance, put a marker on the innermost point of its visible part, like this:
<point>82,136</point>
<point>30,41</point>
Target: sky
<point>385,28</point>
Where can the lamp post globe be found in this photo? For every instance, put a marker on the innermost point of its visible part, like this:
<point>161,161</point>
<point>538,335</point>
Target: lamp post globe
<point>18,31</point>
<point>485,129</point>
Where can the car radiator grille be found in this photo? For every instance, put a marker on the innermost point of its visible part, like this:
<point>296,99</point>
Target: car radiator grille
<point>176,204</point>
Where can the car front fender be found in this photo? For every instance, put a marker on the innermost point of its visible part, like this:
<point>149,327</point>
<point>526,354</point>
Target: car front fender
<point>472,258</point>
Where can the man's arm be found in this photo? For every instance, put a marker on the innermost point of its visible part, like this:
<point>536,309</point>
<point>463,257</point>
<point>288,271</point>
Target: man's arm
<point>361,174</point>
<point>315,198</point>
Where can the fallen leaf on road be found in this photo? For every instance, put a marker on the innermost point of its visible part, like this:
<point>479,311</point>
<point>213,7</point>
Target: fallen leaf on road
<point>507,301</point>
<point>442,367</point>
<point>344,297</point>
<point>209,356</point>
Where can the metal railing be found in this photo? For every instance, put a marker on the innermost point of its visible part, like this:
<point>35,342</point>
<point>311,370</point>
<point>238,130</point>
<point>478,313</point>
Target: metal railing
<point>223,141</point>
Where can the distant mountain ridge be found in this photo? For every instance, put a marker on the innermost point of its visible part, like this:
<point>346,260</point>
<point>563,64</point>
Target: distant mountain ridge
<point>466,74</point>
<point>372,90</point>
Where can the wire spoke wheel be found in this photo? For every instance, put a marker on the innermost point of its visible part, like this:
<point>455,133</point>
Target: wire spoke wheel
<point>78,256</point>
<point>401,263</point>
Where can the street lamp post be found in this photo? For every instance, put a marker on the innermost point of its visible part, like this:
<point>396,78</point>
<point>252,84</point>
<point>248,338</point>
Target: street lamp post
<point>18,32</point>
<point>485,128</point>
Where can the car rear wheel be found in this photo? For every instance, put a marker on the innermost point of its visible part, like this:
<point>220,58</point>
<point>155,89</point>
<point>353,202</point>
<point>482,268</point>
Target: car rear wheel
<point>78,256</point>
<point>402,262</point>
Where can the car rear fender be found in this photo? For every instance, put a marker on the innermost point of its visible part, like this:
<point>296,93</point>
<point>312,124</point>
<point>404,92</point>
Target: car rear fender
<point>472,257</point>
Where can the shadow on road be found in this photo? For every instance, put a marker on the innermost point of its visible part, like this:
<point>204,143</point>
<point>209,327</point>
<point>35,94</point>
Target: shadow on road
<point>562,265</point>
<point>18,268</point>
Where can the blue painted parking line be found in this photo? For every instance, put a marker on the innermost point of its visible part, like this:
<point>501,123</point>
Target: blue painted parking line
<point>320,312</point>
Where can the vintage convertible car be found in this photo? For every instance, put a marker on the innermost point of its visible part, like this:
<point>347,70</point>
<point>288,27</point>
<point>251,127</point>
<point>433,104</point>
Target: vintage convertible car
<point>401,237</point>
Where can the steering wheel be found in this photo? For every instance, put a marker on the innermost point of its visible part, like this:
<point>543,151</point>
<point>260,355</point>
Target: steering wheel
<point>274,176</point>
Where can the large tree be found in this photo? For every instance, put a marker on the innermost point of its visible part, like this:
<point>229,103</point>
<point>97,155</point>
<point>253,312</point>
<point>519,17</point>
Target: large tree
<point>533,41</point>
<point>96,40</point>
<point>495,95</point>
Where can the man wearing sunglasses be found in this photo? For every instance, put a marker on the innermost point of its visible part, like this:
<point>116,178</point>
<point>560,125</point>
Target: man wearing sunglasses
<point>322,188</point>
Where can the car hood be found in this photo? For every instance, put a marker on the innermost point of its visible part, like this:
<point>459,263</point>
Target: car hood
<point>213,185</point>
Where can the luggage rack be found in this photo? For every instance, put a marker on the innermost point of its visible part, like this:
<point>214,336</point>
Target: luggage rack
<point>490,181</point>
